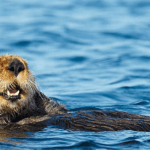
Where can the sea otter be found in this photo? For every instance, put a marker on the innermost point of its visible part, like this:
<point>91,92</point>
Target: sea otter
<point>22,103</point>
<point>19,96</point>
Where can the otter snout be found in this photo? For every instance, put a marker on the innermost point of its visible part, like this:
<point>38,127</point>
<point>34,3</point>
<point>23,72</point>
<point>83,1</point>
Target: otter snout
<point>16,67</point>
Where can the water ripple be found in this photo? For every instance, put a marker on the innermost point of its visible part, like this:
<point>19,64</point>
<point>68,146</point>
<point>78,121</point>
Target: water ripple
<point>88,55</point>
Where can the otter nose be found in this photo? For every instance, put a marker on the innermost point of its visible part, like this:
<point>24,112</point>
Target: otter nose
<point>16,67</point>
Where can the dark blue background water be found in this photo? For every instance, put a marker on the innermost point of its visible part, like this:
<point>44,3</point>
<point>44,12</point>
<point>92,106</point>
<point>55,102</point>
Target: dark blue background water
<point>90,54</point>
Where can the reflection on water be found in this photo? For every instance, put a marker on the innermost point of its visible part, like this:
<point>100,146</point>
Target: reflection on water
<point>8,136</point>
<point>88,54</point>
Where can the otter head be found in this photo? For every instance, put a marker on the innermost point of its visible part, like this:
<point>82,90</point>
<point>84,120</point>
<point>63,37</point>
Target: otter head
<point>17,84</point>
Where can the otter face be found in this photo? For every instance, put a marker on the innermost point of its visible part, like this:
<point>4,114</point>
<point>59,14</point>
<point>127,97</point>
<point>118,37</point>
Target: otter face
<point>17,84</point>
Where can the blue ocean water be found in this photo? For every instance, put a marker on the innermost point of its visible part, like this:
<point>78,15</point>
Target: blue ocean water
<point>88,54</point>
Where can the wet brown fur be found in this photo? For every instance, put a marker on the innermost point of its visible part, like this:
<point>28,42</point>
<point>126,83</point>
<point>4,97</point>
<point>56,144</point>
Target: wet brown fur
<point>35,109</point>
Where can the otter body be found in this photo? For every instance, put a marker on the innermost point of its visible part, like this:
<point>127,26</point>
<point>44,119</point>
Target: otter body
<point>21,103</point>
